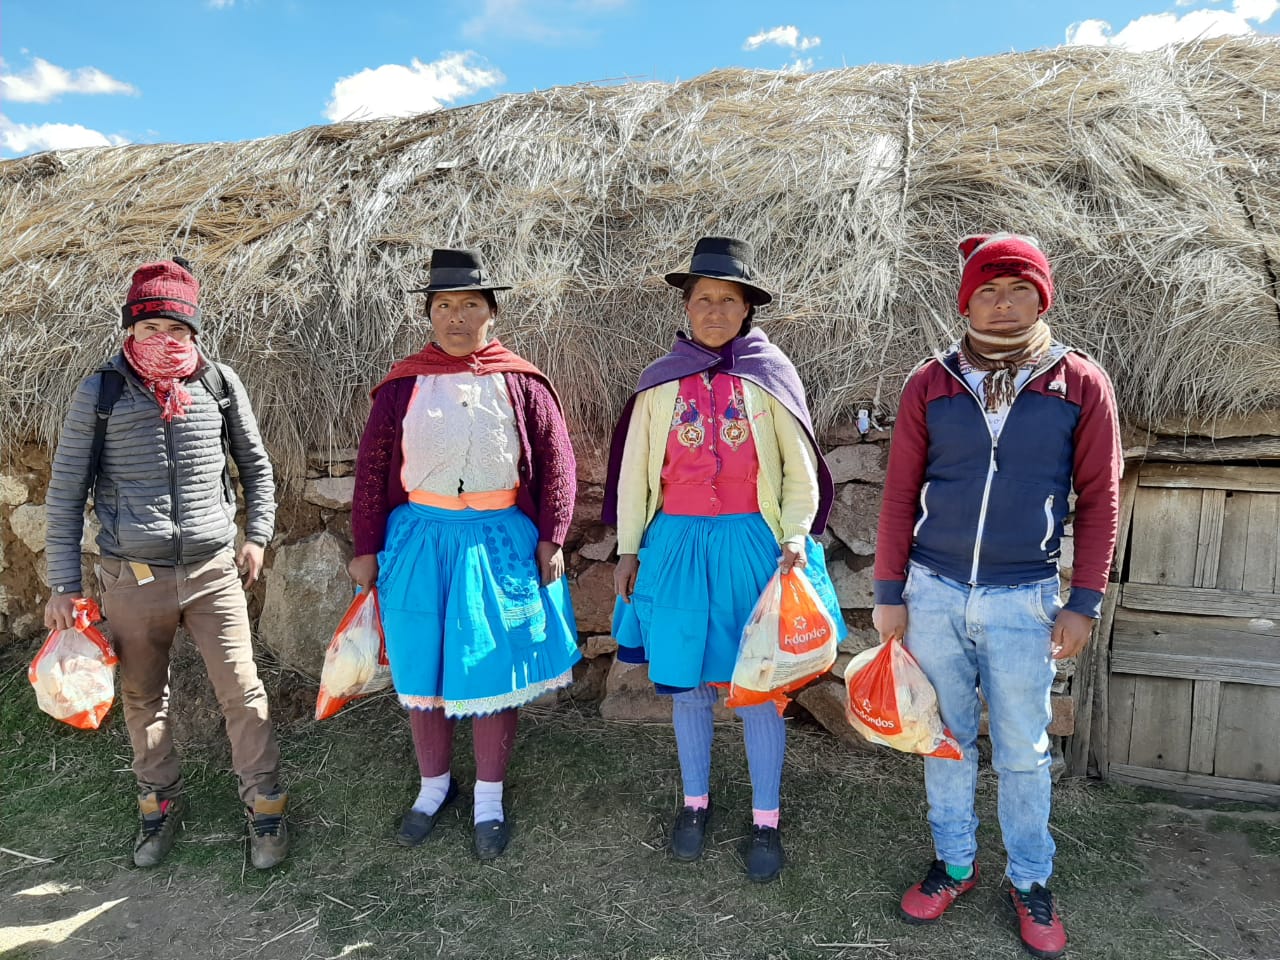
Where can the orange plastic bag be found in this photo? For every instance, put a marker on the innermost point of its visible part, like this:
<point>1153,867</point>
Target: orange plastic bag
<point>74,674</point>
<point>892,702</point>
<point>789,640</point>
<point>355,663</point>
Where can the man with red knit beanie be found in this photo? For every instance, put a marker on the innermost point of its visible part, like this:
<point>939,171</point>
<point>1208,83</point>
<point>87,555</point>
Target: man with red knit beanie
<point>990,440</point>
<point>145,436</point>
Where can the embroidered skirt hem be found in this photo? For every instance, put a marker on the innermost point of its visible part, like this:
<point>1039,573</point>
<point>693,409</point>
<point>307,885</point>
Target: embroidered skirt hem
<point>487,705</point>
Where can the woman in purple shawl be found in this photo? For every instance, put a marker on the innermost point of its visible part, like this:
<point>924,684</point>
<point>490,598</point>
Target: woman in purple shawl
<point>715,483</point>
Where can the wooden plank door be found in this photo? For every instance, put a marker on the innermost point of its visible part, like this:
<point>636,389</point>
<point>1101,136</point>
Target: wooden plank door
<point>1194,675</point>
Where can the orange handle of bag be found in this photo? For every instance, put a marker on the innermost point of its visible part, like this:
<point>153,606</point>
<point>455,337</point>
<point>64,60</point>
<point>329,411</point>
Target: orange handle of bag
<point>87,614</point>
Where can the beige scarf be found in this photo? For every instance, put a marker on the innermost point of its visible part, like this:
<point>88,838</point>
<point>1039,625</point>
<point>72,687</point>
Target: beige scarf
<point>1002,356</point>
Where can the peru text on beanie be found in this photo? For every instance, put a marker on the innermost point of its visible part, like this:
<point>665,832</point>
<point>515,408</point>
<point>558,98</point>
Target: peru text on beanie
<point>163,289</point>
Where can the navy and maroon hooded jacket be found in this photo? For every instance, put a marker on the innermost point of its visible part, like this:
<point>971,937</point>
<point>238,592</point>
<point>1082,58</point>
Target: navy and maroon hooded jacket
<point>991,512</point>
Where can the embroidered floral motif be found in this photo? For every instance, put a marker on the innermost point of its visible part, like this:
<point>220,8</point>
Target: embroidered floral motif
<point>733,427</point>
<point>687,423</point>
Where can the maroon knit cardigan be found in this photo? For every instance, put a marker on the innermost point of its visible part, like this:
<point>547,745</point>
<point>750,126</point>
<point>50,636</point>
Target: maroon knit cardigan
<point>547,470</point>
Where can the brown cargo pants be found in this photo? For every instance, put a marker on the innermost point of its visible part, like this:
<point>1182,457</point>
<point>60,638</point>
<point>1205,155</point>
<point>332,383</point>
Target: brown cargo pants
<point>208,600</point>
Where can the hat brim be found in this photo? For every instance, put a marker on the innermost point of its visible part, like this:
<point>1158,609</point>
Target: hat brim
<point>757,296</point>
<point>449,289</point>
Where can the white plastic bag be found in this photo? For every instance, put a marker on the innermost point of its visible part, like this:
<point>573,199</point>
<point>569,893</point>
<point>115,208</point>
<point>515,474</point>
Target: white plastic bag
<point>74,674</point>
<point>355,664</point>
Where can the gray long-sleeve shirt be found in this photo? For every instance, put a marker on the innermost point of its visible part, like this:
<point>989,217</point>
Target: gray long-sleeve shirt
<point>160,494</point>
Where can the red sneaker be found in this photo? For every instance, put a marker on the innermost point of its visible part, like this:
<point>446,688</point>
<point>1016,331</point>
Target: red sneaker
<point>930,898</point>
<point>1038,922</point>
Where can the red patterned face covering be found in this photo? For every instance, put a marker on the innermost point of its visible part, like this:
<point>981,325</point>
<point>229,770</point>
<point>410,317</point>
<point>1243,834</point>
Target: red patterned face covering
<point>163,362</point>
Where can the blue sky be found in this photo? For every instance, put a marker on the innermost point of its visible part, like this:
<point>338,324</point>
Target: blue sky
<point>88,72</point>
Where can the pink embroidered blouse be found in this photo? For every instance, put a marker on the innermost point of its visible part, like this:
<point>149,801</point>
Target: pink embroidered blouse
<point>710,467</point>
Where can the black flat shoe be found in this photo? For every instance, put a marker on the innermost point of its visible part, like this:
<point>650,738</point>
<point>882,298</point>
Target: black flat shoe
<point>689,833</point>
<point>491,838</point>
<point>765,858</point>
<point>417,826</point>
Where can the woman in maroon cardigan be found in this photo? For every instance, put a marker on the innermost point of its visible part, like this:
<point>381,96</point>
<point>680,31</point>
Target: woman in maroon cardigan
<point>465,484</point>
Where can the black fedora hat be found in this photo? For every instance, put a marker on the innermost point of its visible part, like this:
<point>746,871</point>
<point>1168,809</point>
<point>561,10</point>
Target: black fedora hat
<point>457,270</point>
<point>723,258</point>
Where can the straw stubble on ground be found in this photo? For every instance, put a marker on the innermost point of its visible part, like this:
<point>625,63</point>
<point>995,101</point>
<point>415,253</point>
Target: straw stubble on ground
<point>587,874</point>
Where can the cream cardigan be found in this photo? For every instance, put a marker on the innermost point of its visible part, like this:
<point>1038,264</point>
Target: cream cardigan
<point>787,487</point>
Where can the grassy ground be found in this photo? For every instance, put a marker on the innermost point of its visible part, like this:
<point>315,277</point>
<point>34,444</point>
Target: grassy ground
<point>587,873</point>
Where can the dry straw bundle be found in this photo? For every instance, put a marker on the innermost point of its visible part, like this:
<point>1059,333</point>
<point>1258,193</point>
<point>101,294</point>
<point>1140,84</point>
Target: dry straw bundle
<point>1153,181</point>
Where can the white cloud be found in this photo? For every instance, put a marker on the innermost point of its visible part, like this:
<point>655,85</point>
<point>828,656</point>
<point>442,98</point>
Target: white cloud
<point>1157,30</point>
<point>221,4</point>
<point>393,90</point>
<point>1260,11</point>
<point>798,65</point>
<point>788,36</point>
<point>20,138</point>
<point>45,81</point>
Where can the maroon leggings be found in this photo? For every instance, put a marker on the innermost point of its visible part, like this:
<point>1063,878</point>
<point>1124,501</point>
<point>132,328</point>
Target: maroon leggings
<point>494,735</point>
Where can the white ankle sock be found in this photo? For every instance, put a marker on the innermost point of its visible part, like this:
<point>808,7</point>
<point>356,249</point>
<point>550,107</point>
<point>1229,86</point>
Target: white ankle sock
<point>432,793</point>
<point>489,801</point>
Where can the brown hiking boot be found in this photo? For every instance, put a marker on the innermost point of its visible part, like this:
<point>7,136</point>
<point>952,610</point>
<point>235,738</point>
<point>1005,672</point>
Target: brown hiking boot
<point>268,832</point>
<point>161,820</point>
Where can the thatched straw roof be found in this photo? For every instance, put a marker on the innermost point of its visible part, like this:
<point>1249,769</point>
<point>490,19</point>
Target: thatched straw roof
<point>1152,180</point>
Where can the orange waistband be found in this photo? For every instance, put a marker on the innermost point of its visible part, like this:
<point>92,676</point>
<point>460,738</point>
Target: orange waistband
<point>485,500</point>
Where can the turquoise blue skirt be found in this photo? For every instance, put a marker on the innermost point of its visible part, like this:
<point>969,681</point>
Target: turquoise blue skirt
<point>469,629</point>
<point>699,580</point>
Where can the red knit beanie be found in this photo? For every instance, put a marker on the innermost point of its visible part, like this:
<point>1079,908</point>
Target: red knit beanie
<point>163,289</point>
<point>984,257</point>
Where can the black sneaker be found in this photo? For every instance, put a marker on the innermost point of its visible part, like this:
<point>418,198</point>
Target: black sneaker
<point>161,820</point>
<point>765,858</point>
<point>689,833</point>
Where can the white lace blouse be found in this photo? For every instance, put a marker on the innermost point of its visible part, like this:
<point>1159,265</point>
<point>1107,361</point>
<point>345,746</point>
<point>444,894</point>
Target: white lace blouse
<point>460,436</point>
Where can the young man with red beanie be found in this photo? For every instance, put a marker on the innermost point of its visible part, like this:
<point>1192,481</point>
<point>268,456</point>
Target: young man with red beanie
<point>145,436</point>
<point>991,438</point>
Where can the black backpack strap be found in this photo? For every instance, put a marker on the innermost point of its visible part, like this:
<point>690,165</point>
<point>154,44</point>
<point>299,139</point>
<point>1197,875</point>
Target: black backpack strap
<point>216,384</point>
<point>110,386</point>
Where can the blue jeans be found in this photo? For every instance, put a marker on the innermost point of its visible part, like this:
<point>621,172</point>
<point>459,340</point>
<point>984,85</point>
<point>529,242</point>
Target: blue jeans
<point>998,638</point>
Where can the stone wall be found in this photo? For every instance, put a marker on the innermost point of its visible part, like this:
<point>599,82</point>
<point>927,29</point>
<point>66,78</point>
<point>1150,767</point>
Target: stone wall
<point>305,589</point>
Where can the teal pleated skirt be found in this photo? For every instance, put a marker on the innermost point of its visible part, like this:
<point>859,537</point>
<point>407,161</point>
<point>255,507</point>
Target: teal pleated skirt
<point>699,580</point>
<point>469,628</point>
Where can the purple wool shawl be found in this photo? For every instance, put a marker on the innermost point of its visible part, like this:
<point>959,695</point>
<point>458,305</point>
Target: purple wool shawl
<point>751,357</point>
<point>547,469</point>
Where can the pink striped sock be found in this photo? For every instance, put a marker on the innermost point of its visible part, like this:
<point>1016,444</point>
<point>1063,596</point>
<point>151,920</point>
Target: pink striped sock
<point>698,803</point>
<point>765,818</point>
